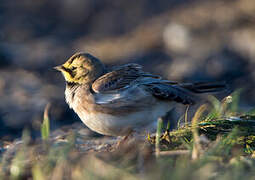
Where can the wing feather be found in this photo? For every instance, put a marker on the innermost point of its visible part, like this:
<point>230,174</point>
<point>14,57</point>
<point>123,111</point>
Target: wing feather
<point>170,92</point>
<point>120,78</point>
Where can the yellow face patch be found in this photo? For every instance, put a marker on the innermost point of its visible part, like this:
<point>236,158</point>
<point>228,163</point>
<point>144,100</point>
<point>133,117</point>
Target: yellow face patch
<point>73,70</point>
<point>81,68</point>
<point>68,76</point>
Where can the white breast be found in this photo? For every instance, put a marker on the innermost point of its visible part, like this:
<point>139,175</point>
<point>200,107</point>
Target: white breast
<point>120,125</point>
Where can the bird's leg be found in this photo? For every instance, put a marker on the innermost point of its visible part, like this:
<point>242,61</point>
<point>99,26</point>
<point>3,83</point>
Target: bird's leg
<point>125,139</point>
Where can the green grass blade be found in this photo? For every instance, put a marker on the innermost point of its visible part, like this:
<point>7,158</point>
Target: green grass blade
<point>45,127</point>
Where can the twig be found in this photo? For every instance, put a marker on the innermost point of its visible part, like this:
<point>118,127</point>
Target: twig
<point>158,134</point>
<point>173,153</point>
<point>196,146</point>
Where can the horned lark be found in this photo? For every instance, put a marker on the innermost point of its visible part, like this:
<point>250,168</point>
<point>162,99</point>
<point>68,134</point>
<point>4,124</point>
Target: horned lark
<point>122,99</point>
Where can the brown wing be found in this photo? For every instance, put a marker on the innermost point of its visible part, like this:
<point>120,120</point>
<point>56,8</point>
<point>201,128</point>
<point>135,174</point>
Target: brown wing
<point>121,77</point>
<point>183,92</point>
<point>128,75</point>
<point>170,92</point>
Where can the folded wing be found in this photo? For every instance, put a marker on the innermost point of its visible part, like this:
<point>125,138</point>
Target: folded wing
<point>120,78</point>
<point>128,84</point>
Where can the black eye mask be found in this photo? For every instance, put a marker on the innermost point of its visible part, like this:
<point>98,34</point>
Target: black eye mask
<point>70,71</point>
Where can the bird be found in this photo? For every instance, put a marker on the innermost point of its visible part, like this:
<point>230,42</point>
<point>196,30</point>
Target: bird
<point>122,99</point>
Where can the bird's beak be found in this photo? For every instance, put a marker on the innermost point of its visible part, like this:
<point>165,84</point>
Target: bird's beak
<point>59,68</point>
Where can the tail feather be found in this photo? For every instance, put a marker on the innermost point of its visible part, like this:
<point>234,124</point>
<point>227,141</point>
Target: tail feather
<point>204,87</point>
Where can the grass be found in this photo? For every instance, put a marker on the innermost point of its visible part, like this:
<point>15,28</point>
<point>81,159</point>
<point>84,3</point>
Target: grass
<point>219,143</point>
<point>45,127</point>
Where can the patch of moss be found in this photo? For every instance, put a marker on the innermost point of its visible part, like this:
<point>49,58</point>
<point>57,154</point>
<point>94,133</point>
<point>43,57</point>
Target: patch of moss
<point>179,138</point>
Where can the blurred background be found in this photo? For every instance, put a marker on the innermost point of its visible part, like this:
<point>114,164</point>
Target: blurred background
<point>181,40</point>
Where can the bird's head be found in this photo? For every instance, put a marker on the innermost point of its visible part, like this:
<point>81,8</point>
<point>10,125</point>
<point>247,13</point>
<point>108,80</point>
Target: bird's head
<point>81,68</point>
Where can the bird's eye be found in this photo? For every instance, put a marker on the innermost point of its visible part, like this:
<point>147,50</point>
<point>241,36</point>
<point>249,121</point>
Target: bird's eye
<point>72,68</point>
